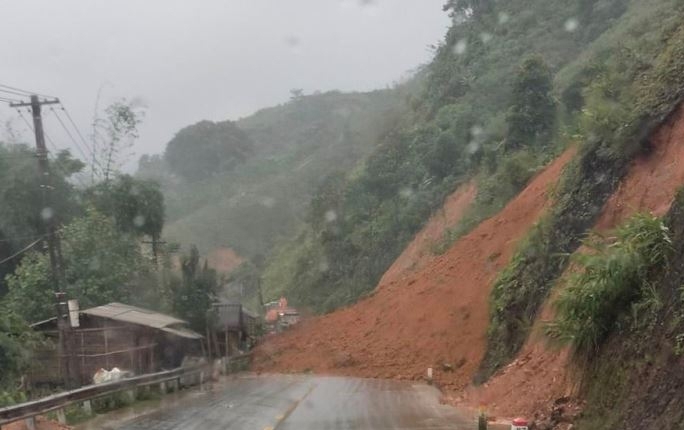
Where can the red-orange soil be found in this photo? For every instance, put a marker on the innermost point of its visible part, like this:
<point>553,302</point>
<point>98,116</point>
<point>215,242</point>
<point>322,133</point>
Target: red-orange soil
<point>540,375</point>
<point>438,315</point>
<point>420,251</point>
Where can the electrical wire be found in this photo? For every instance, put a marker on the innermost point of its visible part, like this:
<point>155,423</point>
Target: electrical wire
<point>18,253</point>
<point>15,93</point>
<point>91,151</point>
<point>9,100</point>
<point>33,236</point>
<point>73,123</point>
<point>78,146</point>
<point>56,162</point>
<point>28,93</point>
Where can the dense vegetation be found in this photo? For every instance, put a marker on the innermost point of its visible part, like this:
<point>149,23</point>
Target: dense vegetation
<point>625,96</point>
<point>487,108</point>
<point>244,184</point>
<point>104,228</point>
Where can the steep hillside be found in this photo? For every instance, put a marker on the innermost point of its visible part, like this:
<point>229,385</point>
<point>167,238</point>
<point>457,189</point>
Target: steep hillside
<point>541,372</point>
<point>434,317</point>
<point>247,203</point>
<point>484,309</point>
<point>490,108</point>
<point>420,251</point>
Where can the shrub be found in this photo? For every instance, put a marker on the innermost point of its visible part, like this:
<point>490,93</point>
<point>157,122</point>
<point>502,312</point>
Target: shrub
<point>611,280</point>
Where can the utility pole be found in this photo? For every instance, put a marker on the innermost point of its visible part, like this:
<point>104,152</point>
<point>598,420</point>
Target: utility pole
<point>53,244</point>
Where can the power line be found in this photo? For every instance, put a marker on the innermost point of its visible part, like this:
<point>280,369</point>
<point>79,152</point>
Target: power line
<point>33,236</point>
<point>78,146</point>
<point>28,124</point>
<point>28,247</point>
<point>25,92</point>
<point>8,100</point>
<point>54,146</point>
<point>66,112</point>
<point>13,92</point>
<point>90,149</point>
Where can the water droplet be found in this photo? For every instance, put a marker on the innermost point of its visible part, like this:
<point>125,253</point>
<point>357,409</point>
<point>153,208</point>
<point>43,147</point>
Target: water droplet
<point>460,47</point>
<point>47,214</point>
<point>504,17</point>
<point>571,25</point>
<point>139,221</point>
<point>294,43</point>
<point>472,147</point>
<point>485,37</point>
<point>406,193</point>
<point>268,202</point>
<point>330,216</point>
<point>476,131</point>
<point>94,264</point>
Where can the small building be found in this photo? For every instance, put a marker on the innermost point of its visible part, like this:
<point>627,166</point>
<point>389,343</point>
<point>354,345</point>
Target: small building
<point>233,328</point>
<point>114,335</point>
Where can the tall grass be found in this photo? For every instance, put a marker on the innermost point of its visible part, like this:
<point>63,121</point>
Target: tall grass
<point>612,279</point>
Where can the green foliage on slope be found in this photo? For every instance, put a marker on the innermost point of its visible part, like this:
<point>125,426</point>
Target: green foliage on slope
<point>295,146</point>
<point>486,108</point>
<point>631,80</point>
<point>613,275</point>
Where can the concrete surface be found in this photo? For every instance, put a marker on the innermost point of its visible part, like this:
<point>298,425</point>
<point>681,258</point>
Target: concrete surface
<point>289,402</point>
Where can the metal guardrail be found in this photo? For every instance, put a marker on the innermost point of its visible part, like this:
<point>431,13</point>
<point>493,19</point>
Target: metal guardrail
<point>58,401</point>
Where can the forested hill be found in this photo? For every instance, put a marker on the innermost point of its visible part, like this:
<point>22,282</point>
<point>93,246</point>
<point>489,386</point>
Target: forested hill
<point>245,184</point>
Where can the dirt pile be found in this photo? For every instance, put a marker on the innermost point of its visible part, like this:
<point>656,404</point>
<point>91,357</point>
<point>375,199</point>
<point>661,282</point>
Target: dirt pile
<point>539,376</point>
<point>436,317</point>
<point>420,251</point>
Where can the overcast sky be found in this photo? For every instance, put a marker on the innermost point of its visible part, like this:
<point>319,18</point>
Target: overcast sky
<point>207,59</point>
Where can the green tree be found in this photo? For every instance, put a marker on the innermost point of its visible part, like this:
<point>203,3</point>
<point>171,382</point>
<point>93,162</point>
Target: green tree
<point>207,148</point>
<point>22,200</point>
<point>193,297</point>
<point>15,338</point>
<point>100,265</point>
<point>114,133</point>
<point>137,206</point>
<point>533,110</point>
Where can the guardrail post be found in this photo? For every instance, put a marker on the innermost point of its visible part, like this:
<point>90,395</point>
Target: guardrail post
<point>30,423</point>
<point>131,395</point>
<point>88,407</point>
<point>61,416</point>
<point>201,379</point>
<point>176,385</point>
<point>162,387</point>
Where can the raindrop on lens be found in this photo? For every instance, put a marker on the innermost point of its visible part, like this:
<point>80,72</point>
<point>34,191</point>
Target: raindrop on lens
<point>460,47</point>
<point>269,202</point>
<point>139,221</point>
<point>47,213</point>
<point>503,17</point>
<point>330,216</point>
<point>571,25</point>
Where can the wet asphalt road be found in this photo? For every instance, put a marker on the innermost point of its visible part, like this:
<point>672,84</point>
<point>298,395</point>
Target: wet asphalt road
<point>296,402</point>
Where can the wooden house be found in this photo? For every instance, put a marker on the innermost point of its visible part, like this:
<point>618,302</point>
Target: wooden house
<point>113,335</point>
<point>232,328</point>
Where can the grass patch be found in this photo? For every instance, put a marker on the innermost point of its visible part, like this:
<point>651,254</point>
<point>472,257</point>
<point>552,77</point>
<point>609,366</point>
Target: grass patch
<point>612,280</point>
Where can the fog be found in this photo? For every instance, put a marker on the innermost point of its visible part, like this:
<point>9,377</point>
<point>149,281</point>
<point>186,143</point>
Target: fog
<point>210,59</point>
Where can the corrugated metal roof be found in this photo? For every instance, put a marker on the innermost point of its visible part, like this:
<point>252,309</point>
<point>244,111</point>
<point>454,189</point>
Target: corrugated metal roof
<point>132,314</point>
<point>182,332</point>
